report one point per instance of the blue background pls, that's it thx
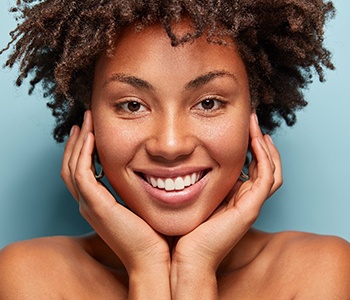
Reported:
(315, 153)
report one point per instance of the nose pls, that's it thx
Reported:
(172, 138)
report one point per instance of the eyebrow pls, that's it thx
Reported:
(143, 84)
(129, 79)
(206, 78)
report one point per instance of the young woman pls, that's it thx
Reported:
(173, 99)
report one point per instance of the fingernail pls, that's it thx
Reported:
(270, 139)
(72, 130)
(256, 119)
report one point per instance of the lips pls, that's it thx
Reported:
(174, 187)
(177, 183)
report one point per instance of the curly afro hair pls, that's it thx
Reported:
(280, 41)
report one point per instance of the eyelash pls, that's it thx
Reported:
(124, 106)
(217, 105)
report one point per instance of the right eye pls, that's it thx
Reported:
(131, 106)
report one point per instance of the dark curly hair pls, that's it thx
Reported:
(280, 41)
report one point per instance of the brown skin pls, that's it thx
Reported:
(288, 265)
(198, 249)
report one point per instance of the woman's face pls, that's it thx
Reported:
(171, 125)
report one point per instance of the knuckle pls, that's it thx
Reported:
(64, 174)
(78, 178)
(273, 166)
(270, 179)
(71, 166)
(278, 182)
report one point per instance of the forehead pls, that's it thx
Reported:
(149, 51)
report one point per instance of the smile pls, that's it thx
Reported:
(174, 184)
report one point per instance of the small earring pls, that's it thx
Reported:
(243, 176)
(100, 175)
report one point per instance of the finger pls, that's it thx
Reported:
(72, 163)
(276, 158)
(255, 131)
(255, 191)
(93, 195)
(263, 170)
(90, 190)
(252, 167)
(97, 204)
(83, 169)
(235, 218)
(86, 127)
(65, 171)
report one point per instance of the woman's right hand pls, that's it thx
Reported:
(140, 248)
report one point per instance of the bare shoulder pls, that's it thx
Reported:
(50, 268)
(27, 268)
(318, 265)
(24, 266)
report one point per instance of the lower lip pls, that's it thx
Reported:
(185, 196)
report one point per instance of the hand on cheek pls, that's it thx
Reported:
(207, 245)
(195, 254)
(120, 228)
(265, 168)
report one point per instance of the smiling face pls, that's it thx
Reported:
(171, 125)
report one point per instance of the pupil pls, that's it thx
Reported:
(134, 106)
(208, 104)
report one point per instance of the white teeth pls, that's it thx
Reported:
(172, 184)
(169, 184)
(193, 178)
(179, 184)
(187, 180)
(160, 183)
(153, 182)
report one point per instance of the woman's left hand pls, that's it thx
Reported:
(199, 253)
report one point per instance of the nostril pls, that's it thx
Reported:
(171, 140)
(170, 151)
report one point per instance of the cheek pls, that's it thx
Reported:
(113, 144)
(228, 142)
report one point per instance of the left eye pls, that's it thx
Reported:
(209, 104)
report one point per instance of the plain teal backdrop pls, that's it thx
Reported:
(315, 153)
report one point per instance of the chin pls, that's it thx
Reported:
(170, 228)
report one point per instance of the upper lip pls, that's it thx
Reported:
(171, 173)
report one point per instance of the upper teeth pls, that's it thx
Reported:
(174, 184)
